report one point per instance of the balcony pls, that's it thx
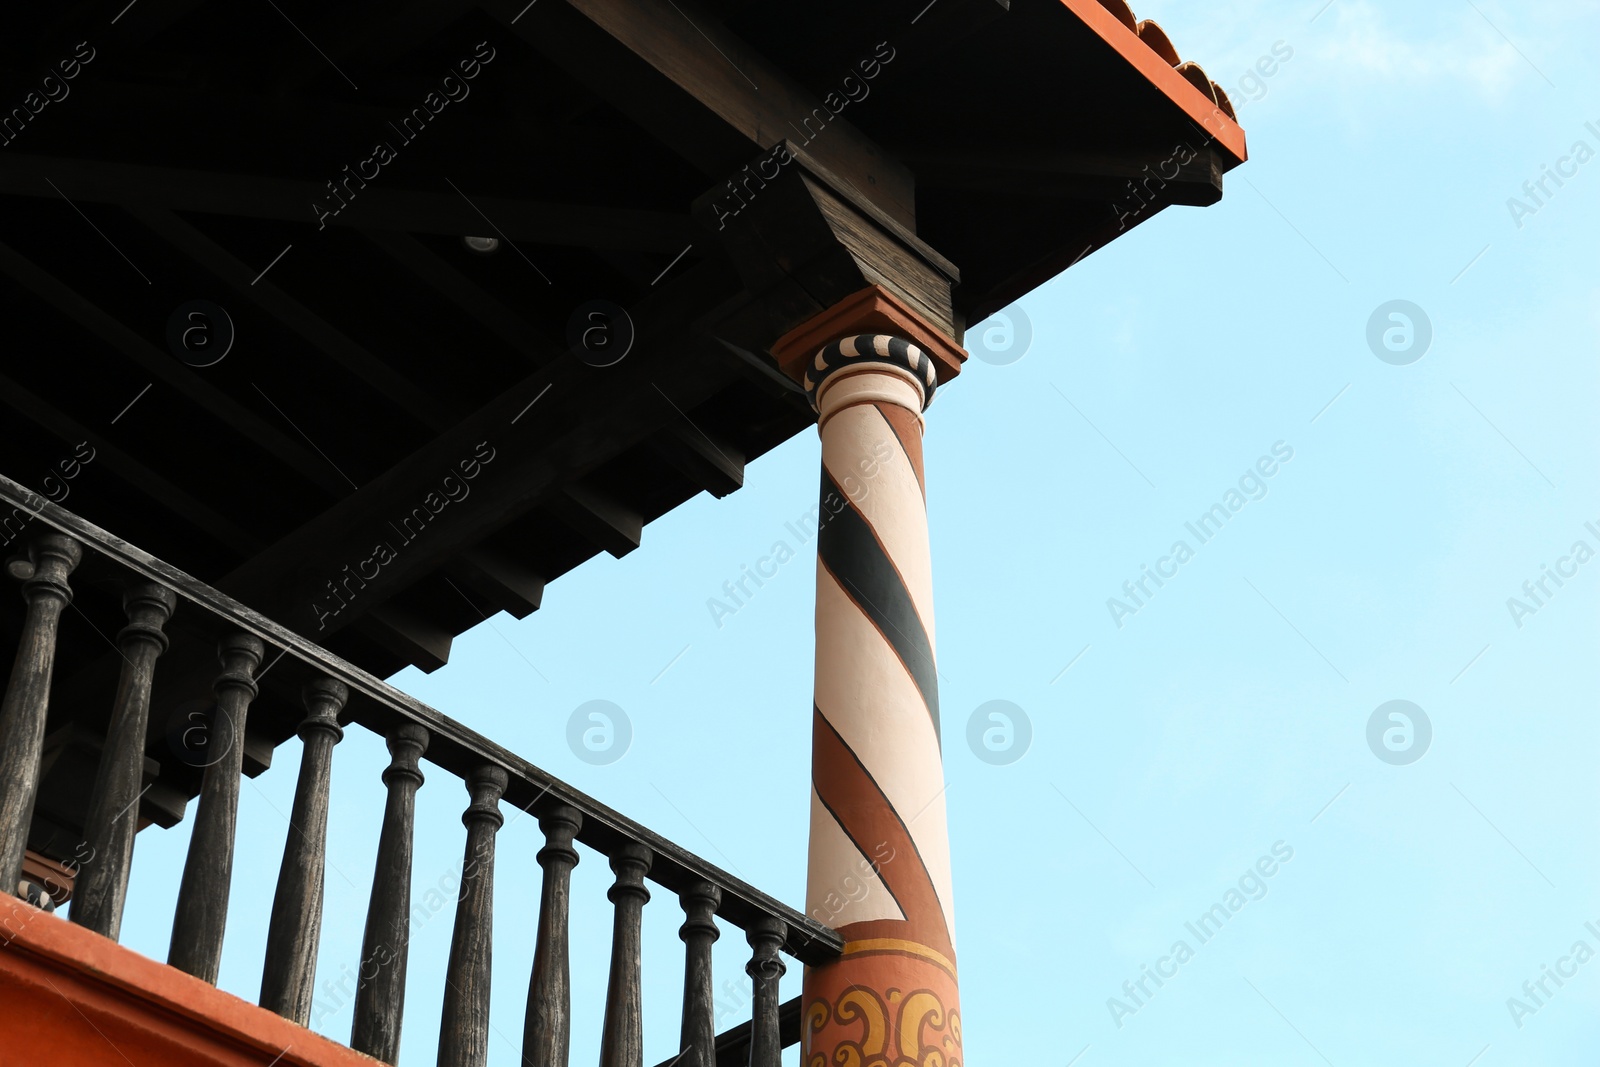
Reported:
(71, 806)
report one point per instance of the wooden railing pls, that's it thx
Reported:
(338, 695)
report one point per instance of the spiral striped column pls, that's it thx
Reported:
(879, 869)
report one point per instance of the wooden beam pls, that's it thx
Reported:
(765, 375)
(979, 305)
(1096, 177)
(170, 497)
(412, 210)
(598, 517)
(430, 409)
(380, 33)
(408, 634)
(893, 228)
(819, 49)
(224, 408)
(513, 329)
(940, 28)
(469, 138)
(805, 228)
(725, 77)
(505, 581)
(715, 464)
(148, 20)
(539, 444)
(574, 45)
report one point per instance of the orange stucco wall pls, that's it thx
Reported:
(69, 997)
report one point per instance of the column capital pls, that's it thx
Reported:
(873, 310)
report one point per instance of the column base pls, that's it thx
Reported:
(885, 1003)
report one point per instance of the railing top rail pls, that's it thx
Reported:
(452, 745)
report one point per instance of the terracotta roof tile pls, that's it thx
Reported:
(1223, 102)
(1155, 38)
(1151, 36)
(1151, 33)
(1197, 78)
(1123, 12)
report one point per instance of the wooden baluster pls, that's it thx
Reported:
(464, 1028)
(113, 816)
(202, 914)
(380, 999)
(698, 1040)
(51, 559)
(547, 1028)
(296, 925)
(622, 1044)
(766, 936)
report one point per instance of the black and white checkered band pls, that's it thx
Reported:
(871, 348)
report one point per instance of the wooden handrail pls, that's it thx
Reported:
(453, 747)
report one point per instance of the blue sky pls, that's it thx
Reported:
(1230, 714)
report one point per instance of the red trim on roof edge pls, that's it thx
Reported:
(1205, 113)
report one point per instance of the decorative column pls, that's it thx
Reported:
(879, 865)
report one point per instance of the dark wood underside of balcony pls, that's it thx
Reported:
(375, 353)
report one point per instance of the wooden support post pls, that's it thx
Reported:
(51, 559)
(622, 1043)
(765, 968)
(547, 1029)
(202, 915)
(296, 925)
(380, 999)
(113, 816)
(698, 1036)
(464, 1027)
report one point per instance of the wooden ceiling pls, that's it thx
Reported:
(199, 149)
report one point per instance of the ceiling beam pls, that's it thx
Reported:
(808, 232)
(430, 409)
(599, 518)
(712, 463)
(714, 71)
(285, 128)
(419, 640)
(224, 408)
(979, 305)
(291, 200)
(516, 331)
(143, 22)
(149, 483)
(505, 581)
(1104, 178)
(537, 443)
(378, 34)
